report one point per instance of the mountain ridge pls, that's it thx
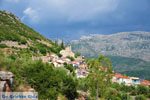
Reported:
(127, 44)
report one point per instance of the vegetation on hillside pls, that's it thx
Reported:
(49, 82)
(12, 29)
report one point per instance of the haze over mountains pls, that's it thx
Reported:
(129, 51)
(127, 44)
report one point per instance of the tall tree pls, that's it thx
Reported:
(62, 44)
(100, 76)
(56, 42)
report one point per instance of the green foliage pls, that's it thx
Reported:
(71, 58)
(59, 55)
(43, 79)
(100, 76)
(62, 45)
(77, 54)
(141, 89)
(140, 97)
(33, 49)
(12, 29)
(83, 84)
(47, 81)
(69, 67)
(13, 56)
(3, 46)
(56, 42)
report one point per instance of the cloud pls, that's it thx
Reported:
(31, 14)
(79, 17)
(73, 10)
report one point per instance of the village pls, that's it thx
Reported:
(82, 69)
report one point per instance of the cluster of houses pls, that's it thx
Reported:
(82, 69)
(129, 80)
(79, 63)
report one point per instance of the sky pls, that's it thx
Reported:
(70, 19)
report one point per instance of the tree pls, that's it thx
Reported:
(62, 44)
(142, 90)
(71, 58)
(140, 97)
(69, 67)
(100, 76)
(77, 54)
(56, 42)
(43, 79)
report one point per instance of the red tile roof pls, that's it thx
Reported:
(145, 82)
(121, 76)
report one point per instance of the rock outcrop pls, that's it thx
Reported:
(6, 81)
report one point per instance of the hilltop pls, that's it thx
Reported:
(22, 40)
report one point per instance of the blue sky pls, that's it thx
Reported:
(73, 18)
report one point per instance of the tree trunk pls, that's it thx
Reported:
(97, 92)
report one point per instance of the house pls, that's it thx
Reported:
(58, 64)
(67, 52)
(53, 57)
(67, 60)
(121, 79)
(81, 73)
(81, 60)
(84, 67)
(145, 82)
(75, 64)
(135, 80)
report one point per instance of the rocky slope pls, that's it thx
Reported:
(126, 44)
(129, 51)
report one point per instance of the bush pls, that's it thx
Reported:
(59, 55)
(140, 97)
(148, 95)
(142, 90)
(71, 58)
(77, 54)
(3, 46)
(43, 51)
(13, 56)
(69, 67)
(134, 92)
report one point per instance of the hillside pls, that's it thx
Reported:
(126, 44)
(22, 39)
(129, 51)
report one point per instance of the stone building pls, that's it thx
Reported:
(67, 52)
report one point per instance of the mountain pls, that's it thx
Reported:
(23, 39)
(126, 44)
(129, 51)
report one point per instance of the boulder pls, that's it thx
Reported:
(6, 81)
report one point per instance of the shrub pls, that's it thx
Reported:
(13, 56)
(43, 51)
(140, 97)
(3, 46)
(134, 92)
(142, 90)
(71, 58)
(59, 55)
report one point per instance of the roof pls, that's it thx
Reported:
(145, 82)
(121, 76)
(135, 78)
